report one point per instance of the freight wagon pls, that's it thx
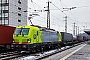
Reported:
(81, 38)
(6, 36)
(67, 38)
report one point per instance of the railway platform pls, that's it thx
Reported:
(80, 54)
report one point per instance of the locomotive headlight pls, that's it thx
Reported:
(13, 41)
(28, 40)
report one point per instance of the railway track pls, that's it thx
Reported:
(39, 56)
(9, 55)
(56, 51)
(36, 56)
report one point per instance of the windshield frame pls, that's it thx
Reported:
(21, 31)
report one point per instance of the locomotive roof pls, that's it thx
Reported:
(43, 28)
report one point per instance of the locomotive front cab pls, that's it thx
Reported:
(21, 35)
(26, 37)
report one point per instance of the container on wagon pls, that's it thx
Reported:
(6, 34)
(66, 36)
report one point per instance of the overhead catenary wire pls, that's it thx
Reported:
(59, 9)
(62, 12)
(44, 19)
(27, 11)
(71, 13)
(35, 3)
(66, 7)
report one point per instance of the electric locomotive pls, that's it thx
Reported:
(35, 38)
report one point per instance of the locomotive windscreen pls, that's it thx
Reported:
(21, 31)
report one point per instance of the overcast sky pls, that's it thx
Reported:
(80, 15)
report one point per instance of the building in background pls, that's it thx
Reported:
(13, 12)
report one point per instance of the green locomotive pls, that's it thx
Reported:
(35, 38)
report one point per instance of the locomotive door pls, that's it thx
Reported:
(35, 36)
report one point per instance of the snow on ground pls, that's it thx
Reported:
(37, 55)
(33, 57)
(28, 58)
